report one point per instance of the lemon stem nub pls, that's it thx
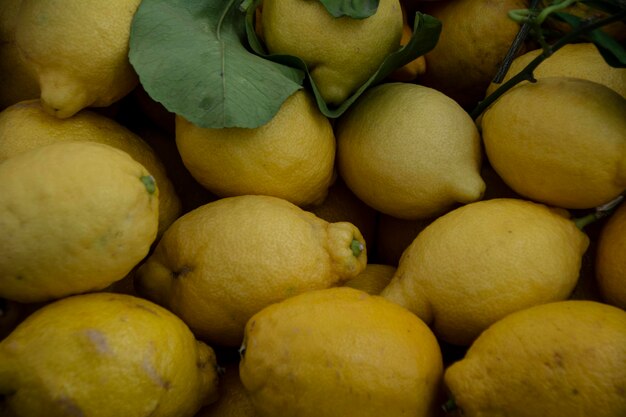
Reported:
(149, 183)
(357, 247)
(600, 212)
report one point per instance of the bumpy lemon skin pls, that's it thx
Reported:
(75, 216)
(559, 359)
(105, 355)
(340, 351)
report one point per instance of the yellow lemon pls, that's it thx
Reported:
(75, 217)
(475, 38)
(559, 141)
(480, 262)
(79, 51)
(340, 352)
(344, 54)
(219, 264)
(233, 400)
(409, 151)
(290, 157)
(610, 262)
(373, 279)
(105, 355)
(576, 60)
(559, 359)
(26, 126)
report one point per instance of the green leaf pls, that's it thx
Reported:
(356, 9)
(426, 31)
(611, 50)
(190, 56)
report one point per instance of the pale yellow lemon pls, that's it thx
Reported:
(576, 60)
(559, 359)
(559, 141)
(105, 355)
(75, 217)
(480, 262)
(79, 51)
(340, 352)
(290, 157)
(409, 151)
(341, 53)
(25, 126)
(219, 264)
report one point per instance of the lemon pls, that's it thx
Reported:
(290, 157)
(559, 141)
(576, 60)
(558, 359)
(105, 355)
(409, 151)
(480, 262)
(219, 264)
(26, 126)
(79, 51)
(233, 399)
(373, 279)
(75, 217)
(340, 352)
(610, 263)
(475, 38)
(342, 56)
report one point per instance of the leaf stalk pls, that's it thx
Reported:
(526, 74)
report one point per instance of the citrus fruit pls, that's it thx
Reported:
(558, 359)
(103, 355)
(292, 27)
(576, 60)
(409, 151)
(560, 141)
(339, 352)
(480, 262)
(219, 264)
(75, 217)
(79, 51)
(290, 157)
(25, 126)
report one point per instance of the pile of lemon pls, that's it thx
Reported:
(402, 259)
